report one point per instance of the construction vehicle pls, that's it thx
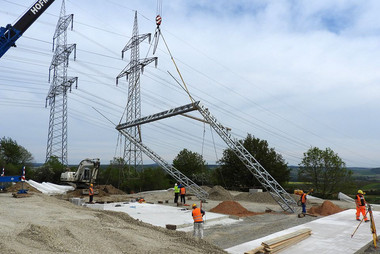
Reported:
(86, 174)
(10, 34)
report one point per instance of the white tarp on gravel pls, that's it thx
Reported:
(160, 215)
(50, 188)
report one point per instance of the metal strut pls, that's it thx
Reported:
(175, 173)
(286, 202)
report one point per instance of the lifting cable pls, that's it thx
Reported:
(179, 73)
(157, 35)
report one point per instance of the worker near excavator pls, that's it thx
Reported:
(198, 221)
(91, 193)
(183, 193)
(361, 206)
(176, 193)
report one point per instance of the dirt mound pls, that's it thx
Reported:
(206, 188)
(100, 191)
(219, 193)
(18, 186)
(110, 189)
(327, 208)
(232, 208)
(258, 197)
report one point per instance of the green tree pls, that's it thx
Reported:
(325, 170)
(191, 164)
(233, 173)
(50, 171)
(14, 156)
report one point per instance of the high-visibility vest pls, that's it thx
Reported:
(197, 215)
(303, 198)
(91, 191)
(360, 201)
(183, 191)
(176, 189)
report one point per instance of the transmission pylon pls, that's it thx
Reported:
(132, 154)
(59, 86)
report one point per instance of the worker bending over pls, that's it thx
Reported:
(360, 206)
(198, 221)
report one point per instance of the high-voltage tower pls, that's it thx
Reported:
(59, 86)
(132, 154)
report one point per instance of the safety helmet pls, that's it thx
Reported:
(194, 205)
(360, 192)
(91, 185)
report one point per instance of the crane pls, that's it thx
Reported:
(10, 34)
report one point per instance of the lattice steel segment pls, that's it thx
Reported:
(175, 173)
(132, 154)
(60, 85)
(283, 198)
(159, 116)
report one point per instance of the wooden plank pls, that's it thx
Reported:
(285, 245)
(256, 250)
(293, 239)
(286, 237)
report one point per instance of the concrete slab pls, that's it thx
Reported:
(330, 234)
(160, 215)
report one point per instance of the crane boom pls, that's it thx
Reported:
(10, 34)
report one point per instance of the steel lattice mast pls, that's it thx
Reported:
(59, 86)
(132, 154)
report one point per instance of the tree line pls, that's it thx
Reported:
(322, 170)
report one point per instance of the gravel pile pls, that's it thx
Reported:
(258, 197)
(219, 193)
(18, 186)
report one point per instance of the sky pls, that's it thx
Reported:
(298, 74)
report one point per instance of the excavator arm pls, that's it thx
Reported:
(10, 34)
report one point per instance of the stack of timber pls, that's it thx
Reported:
(279, 243)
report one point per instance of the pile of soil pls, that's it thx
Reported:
(18, 186)
(258, 197)
(110, 189)
(219, 193)
(232, 208)
(206, 188)
(327, 208)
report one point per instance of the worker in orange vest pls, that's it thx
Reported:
(91, 193)
(183, 193)
(198, 221)
(303, 198)
(360, 206)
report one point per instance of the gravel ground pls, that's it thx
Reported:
(44, 224)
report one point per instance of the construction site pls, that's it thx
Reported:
(54, 219)
(79, 215)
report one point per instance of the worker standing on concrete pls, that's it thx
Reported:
(91, 193)
(198, 221)
(360, 206)
(183, 193)
(176, 193)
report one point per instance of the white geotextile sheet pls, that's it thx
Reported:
(50, 188)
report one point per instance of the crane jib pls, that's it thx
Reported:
(32, 15)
